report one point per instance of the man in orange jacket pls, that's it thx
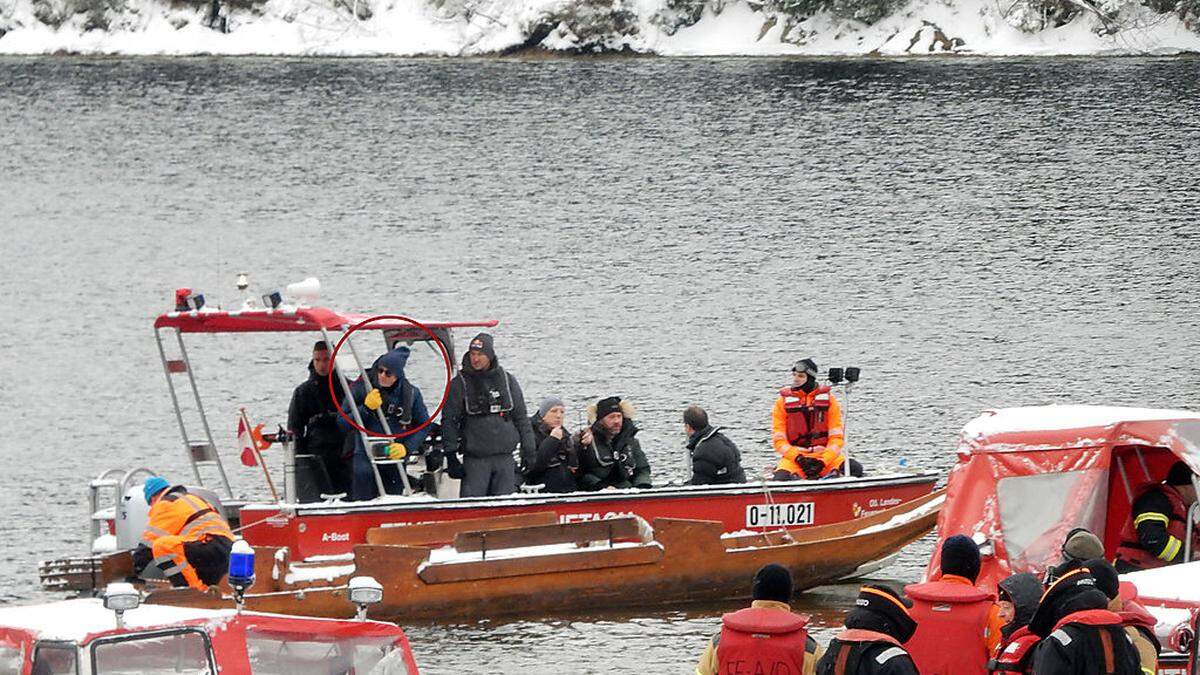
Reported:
(806, 427)
(186, 537)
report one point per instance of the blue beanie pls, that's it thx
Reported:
(153, 486)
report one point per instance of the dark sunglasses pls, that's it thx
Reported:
(384, 371)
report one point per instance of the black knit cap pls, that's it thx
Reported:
(320, 346)
(1107, 579)
(1180, 474)
(1073, 592)
(773, 582)
(960, 557)
(882, 609)
(807, 366)
(607, 406)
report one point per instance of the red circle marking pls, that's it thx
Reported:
(333, 362)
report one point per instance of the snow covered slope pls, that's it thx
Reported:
(668, 27)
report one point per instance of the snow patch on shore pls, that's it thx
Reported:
(416, 27)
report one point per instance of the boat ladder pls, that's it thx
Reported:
(200, 448)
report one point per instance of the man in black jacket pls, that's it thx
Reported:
(872, 643)
(715, 459)
(554, 462)
(609, 455)
(485, 420)
(1080, 636)
(313, 418)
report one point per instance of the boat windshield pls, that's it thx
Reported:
(184, 652)
(279, 653)
(1037, 511)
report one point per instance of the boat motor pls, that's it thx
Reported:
(363, 592)
(241, 570)
(120, 598)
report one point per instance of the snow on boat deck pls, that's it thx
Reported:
(76, 619)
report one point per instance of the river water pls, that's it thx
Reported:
(972, 233)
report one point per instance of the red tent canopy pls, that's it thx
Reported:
(295, 319)
(1026, 476)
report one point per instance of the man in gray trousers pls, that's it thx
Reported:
(485, 420)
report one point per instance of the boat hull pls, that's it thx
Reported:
(667, 561)
(333, 529)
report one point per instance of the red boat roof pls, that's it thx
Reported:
(86, 618)
(1059, 426)
(292, 319)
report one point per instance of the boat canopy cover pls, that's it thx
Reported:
(293, 319)
(1026, 476)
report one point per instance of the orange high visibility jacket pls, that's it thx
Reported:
(186, 516)
(831, 455)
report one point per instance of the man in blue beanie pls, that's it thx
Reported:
(765, 637)
(186, 537)
(386, 392)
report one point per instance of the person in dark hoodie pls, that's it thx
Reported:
(485, 421)
(715, 459)
(1080, 636)
(313, 419)
(555, 461)
(872, 644)
(400, 401)
(1139, 624)
(609, 455)
(1019, 595)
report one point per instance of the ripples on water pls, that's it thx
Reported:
(973, 233)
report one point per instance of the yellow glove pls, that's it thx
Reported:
(397, 451)
(373, 400)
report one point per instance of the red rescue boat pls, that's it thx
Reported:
(1025, 477)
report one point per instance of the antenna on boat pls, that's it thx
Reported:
(846, 379)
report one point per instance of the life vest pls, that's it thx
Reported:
(177, 519)
(1102, 619)
(949, 614)
(1131, 552)
(850, 645)
(762, 640)
(807, 416)
(487, 393)
(1014, 656)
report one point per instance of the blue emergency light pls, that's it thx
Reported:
(241, 565)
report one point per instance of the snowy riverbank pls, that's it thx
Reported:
(666, 27)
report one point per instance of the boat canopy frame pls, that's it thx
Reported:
(201, 449)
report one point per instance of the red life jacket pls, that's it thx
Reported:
(844, 662)
(807, 416)
(1014, 654)
(949, 614)
(762, 641)
(1130, 551)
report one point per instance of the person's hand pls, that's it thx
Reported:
(557, 432)
(373, 400)
(397, 451)
(811, 467)
(454, 467)
(585, 436)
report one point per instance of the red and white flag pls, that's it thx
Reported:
(250, 439)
